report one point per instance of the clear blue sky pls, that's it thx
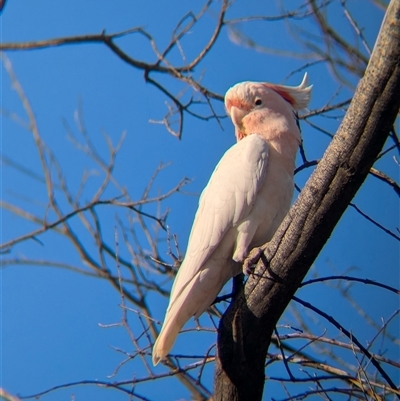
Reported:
(50, 317)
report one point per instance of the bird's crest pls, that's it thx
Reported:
(297, 96)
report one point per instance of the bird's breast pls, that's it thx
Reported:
(272, 204)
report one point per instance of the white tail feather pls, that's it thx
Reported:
(197, 295)
(165, 340)
(187, 304)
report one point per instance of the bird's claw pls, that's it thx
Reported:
(248, 269)
(250, 262)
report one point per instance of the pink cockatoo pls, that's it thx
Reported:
(247, 197)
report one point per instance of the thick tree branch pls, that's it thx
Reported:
(246, 328)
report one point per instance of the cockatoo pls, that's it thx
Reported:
(247, 197)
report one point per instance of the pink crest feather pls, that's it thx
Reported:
(297, 96)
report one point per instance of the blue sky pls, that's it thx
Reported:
(50, 331)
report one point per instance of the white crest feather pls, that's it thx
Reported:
(298, 96)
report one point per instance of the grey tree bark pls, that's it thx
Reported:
(245, 329)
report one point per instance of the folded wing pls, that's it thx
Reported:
(225, 202)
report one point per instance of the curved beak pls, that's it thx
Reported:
(237, 116)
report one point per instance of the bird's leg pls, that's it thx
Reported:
(237, 284)
(196, 320)
(253, 257)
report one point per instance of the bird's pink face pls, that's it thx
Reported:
(246, 104)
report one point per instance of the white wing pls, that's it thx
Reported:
(225, 201)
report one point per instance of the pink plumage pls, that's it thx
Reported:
(245, 200)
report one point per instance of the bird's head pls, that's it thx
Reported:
(251, 103)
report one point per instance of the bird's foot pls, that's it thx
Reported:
(249, 264)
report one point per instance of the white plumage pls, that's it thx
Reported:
(247, 197)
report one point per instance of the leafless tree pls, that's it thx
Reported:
(248, 338)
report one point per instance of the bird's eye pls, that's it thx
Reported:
(258, 102)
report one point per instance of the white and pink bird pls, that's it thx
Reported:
(243, 204)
